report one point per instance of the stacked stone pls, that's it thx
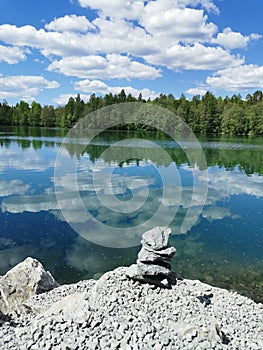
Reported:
(152, 265)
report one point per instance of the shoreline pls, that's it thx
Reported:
(116, 312)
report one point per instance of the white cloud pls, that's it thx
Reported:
(112, 37)
(163, 19)
(98, 67)
(50, 43)
(206, 4)
(120, 36)
(98, 86)
(116, 9)
(24, 87)
(11, 55)
(196, 57)
(133, 9)
(235, 79)
(234, 40)
(156, 39)
(196, 91)
(132, 40)
(255, 36)
(70, 23)
(62, 99)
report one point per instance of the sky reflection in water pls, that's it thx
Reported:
(224, 247)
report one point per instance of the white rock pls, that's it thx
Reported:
(157, 238)
(22, 281)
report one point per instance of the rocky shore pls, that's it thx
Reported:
(128, 309)
(116, 312)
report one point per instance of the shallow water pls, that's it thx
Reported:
(82, 225)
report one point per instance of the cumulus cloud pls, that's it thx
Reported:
(117, 9)
(70, 23)
(234, 40)
(49, 43)
(112, 36)
(133, 9)
(130, 40)
(209, 5)
(11, 54)
(98, 86)
(157, 39)
(234, 79)
(196, 91)
(26, 87)
(97, 67)
(194, 57)
(180, 24)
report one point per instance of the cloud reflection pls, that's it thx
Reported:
(12, 256)
(222, 185)
(8, 188)
(28, 160)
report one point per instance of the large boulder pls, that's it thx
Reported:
(22, 281)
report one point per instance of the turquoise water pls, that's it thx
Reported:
(216, 211)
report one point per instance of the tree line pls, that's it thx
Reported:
(250, 160)
(206, 114)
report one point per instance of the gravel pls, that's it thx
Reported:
(116, 312)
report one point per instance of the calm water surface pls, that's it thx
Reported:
(223, 247)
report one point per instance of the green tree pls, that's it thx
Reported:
(183, 109)
(21, 113)
(5, 113)
(255, 115)
(122, 96)
(78, 110)
(210, 122)
(235, 120)
(35, 114)
(48, 117)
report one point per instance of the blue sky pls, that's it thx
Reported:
(50, 51)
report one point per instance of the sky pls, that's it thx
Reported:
(51, 50)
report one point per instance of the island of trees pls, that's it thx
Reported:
(206, 114)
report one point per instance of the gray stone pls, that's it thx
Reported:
(144, 317)
(146, 255)
(22, 281)
(158, 279)
(157, 238)
(72, 308)
(152, 269)
(152, 265)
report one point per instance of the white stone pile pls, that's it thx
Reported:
(152, 265)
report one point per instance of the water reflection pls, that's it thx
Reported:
(224, 245)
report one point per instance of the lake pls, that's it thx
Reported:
(83, 224)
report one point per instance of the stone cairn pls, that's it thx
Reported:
(152, 264)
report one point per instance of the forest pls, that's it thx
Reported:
(206, 114)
